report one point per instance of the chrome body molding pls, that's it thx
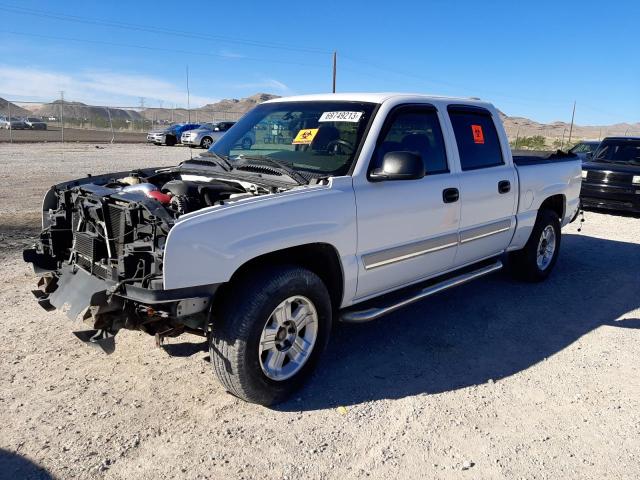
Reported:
(477, 233)
(422, 247)
(411, 250)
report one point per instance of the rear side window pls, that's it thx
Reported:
(414, 129)
(477, 138)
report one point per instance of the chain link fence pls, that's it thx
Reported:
(62, 121)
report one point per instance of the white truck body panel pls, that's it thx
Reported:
(387, 234)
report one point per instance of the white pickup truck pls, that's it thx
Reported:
(367, 202)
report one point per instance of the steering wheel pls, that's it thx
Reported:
(335, 146)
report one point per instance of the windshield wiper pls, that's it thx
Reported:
(293, 173)
(218, 160)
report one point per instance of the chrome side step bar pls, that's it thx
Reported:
(360, 316)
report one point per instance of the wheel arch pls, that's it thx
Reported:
(555, 203)
(320, 258)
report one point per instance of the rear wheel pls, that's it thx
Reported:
(273, 328)
(536, 260)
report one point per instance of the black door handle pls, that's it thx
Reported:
(450, 195)
(504, 186)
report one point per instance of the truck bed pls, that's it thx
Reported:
(537, 157)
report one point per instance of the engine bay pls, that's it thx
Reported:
(115, 226)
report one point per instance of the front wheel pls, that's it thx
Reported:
(538, 257)
(272, 329)
(206, 142)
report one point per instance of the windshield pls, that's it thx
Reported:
(317, 137)
(619, 151)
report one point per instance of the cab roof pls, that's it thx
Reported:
(377, 98)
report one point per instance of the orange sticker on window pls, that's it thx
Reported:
(478, 136)
(305, 137)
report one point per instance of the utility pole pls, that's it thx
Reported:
(10, 126)
(188, 98)
(335, 61)
(571, 127)
(62, 113)
(142, 112)
(113, 135)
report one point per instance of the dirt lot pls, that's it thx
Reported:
(496, 379)
(71, 135)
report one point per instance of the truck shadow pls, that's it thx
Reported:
(489, 329)
(14, 465)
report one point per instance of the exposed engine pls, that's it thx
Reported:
(115, 227)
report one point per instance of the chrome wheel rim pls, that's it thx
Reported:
(206, 143)
(288, 338)
(546, 247)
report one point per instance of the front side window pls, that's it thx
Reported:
(476, 137)
(416, 130)
(315, 137)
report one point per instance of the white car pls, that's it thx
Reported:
(210, 133)
(365, 204)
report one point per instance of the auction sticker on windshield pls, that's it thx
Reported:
(340, 117)
(305, 136)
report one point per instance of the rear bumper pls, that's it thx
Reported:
(611, 197)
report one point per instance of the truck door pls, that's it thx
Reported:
(407, 229)
(488, 185)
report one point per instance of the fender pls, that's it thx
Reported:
(207, 247)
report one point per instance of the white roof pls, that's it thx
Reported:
(372, 97)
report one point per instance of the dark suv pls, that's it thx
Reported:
(611, 179)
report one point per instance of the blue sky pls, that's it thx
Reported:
(529, 58)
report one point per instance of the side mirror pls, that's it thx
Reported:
(589, 156)
(399, 166)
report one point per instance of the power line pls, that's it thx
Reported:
(158, 49)
(160, 30)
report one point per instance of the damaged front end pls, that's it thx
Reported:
(100, 253)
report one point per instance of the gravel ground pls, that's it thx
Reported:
(496, 379)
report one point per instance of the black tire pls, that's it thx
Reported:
(246, 144)
(236, 333)
(204, 141)
(524, 262)
(170, 141)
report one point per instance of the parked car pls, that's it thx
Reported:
(12, 123)
(206, 134)
(170, 135)
(378, 201)
(611, 180)
(585, 149)
(35, 123)
(209, 133)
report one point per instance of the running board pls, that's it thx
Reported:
(366, 315)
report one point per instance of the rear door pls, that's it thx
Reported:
(488, 185)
